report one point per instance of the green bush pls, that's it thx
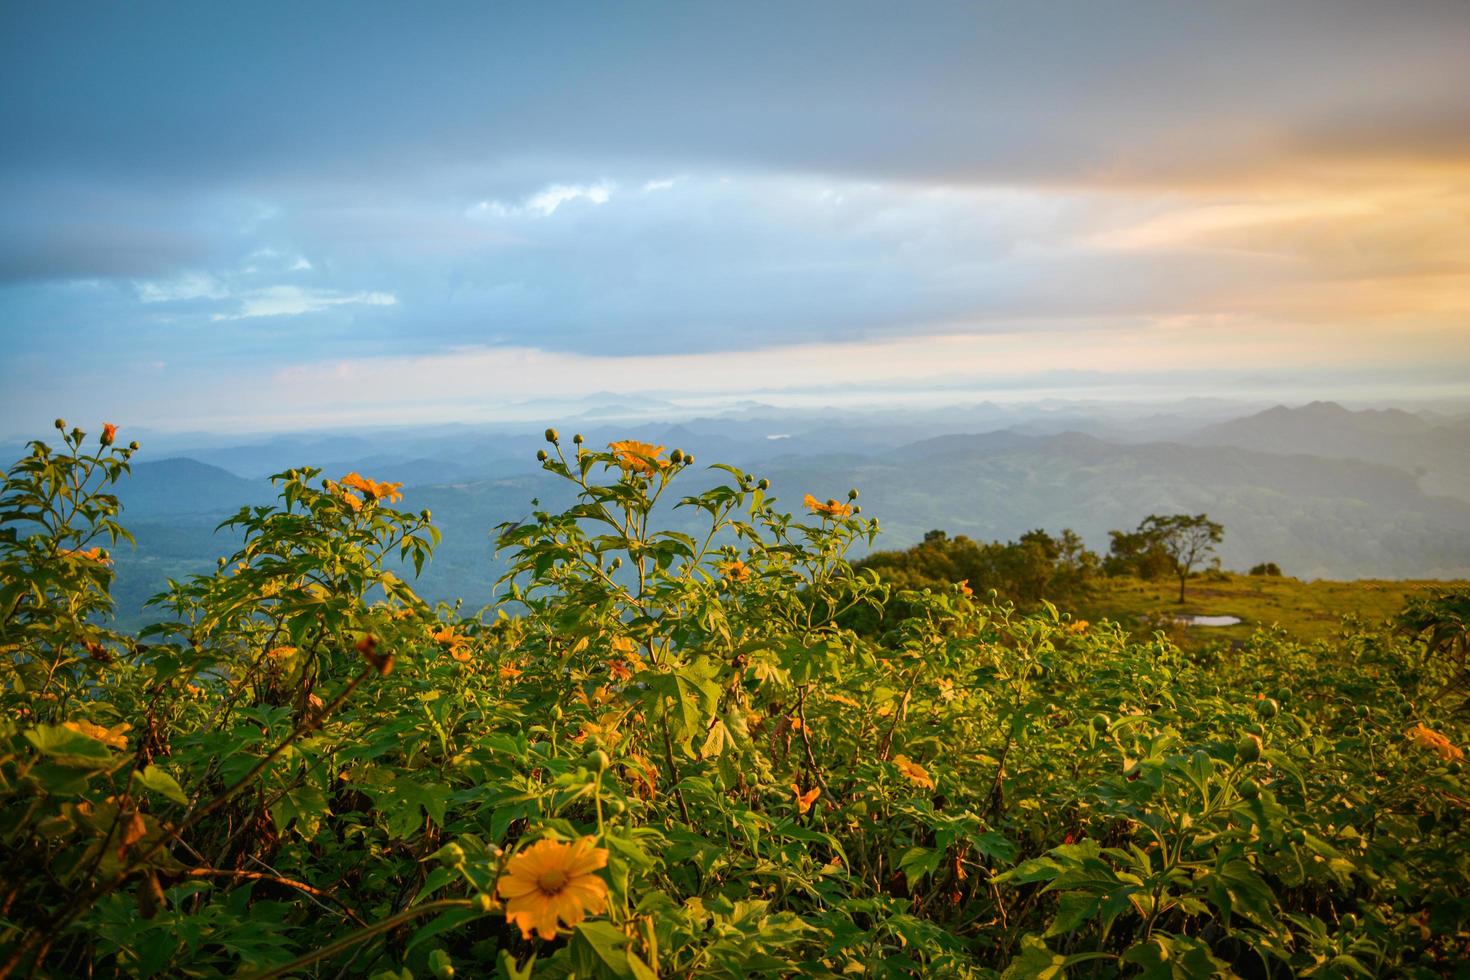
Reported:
(664, 755)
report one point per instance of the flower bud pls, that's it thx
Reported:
(1100, 722)
(599, 760)
(541, 456)
(688, 459)
(676, 457)
(763, 484)
(61, 425)
(426, 515)
(1248, 749)
(852, 494)
(486, 903)
(109, 434)
(452, 854)
(577, 438)
(551, 436)
(134, 446)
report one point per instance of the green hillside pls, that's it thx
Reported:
(1305, 611)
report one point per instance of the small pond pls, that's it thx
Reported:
(1207, 620)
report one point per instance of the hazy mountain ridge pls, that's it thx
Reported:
(1317, 515)
(1437, 451)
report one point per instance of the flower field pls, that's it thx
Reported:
(663, 756)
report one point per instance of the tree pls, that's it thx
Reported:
(1186, 539)
(1137, 554)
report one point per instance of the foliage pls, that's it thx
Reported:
(1442, 620)
(1266, 568)
(1036, 569)
(669, 752)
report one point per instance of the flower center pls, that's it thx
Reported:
(552, 882)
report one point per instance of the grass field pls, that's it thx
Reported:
(1307, 610)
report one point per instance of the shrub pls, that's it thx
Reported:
(664, 755)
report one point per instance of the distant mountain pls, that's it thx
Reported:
(171, 488)
(1436, 452)
(1316, 517)
(1321, 490)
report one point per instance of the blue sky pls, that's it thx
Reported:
(279, 215)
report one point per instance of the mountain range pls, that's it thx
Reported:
(1323, 491)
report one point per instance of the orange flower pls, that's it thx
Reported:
(735, 571)
(510, 672)
(1427, 738)
(109, 433)
(551, 884)
(965, 589)
(447, 637)
(619, 670)
(1080, 626)
(352, 500)
(831, 508)
(91, 554)
(113, 736)
(916, 773)
(625, 645)
(386, 492)
(805, 800)
(280, 653)
(638, 457)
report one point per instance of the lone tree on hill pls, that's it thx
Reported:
(1185, 539)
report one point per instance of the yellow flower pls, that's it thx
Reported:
(107, 736)
(916, 773)
(386, 492)
(551, 883)
(1428, 738)
(831, 508)
(735, 571)
(624, 645)
(638, 457)
(447, 637)
(805, 800)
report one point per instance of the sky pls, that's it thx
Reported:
(283, 216)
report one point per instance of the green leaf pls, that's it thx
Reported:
(600, 950)
(1072, 913)
(163, 784)
(68, 747)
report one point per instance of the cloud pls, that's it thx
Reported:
(190, 286)
(1044, 171)
(545, 202)
(296, 301)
